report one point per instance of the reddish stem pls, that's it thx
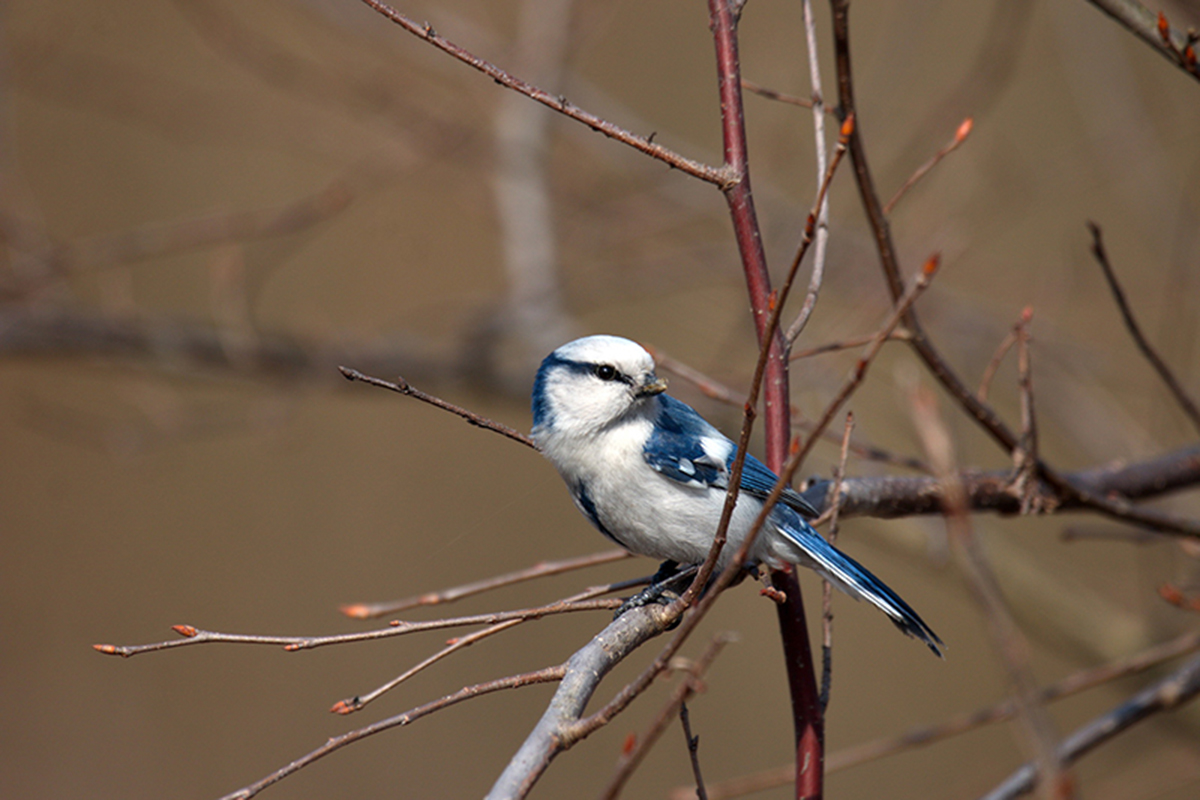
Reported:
(806, 710)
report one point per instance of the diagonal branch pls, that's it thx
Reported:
(1154, 31)
(1181, 396)
(721, 177)
(1165, 695)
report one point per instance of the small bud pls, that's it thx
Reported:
(107, 649)
(848, 127)
(1026, 315)
(964, 130)
(1164, 30)
(629, 743)
(931, 266)
(184, 630)
(1171, 594)
(355, 611)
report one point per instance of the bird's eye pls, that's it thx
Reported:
(605, 372)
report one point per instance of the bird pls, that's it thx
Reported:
(651, 474)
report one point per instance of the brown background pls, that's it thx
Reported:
(143, 492)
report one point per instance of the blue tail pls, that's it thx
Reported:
(857, 581)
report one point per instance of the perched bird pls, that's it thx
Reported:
(651, 473)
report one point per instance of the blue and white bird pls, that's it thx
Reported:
(651, 473)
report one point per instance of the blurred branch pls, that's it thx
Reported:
(1155, 31)
(925, 735)
(50, 260)
(1181, 396)
(1170, 693)
(1010, 644)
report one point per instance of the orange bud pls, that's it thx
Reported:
(1171, 594)
(355, 611)
(1189, 57)
(629, 743)
(772, 299)
(342, 707)
(107, 649)
(848, 127)
(1164, 30)
(1027, 314)
(964, 130)
(931, 266)
(184, 630)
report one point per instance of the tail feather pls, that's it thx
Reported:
(857, 581)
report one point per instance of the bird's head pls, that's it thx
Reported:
(590, 383)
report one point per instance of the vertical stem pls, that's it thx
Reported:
(806, 709)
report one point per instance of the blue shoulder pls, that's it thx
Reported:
(685, 447)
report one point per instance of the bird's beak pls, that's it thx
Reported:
(653, 386)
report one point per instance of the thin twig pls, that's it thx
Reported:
(693, 746)
(1181, 396)
(864, 362)
(720, 177)
(960, 136)
(925, 735)
(547, 675)
(993, 365)
(690, 682)
(539, 570)
(193, 635)
(833, 347)
(716, 390)
(1025, 456)
(826, 587)
(818, 114)
(403, 387)
(358, 702)
(782, 97)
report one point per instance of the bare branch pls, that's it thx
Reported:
(1181, 396)
(960, 136)
(403, 387)
(193, 635)
(1170, 693)
(925, 735)
(718, 176)
(547, 675)
(691, 681)
(539, 570)
(1154, 31)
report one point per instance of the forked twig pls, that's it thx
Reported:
(194, 636)
(547, 675)
(690, 682)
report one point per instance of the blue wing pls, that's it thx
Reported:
(686, 448)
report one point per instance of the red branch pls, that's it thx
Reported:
(806, 710)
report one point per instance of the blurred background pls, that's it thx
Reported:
(208, 205)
